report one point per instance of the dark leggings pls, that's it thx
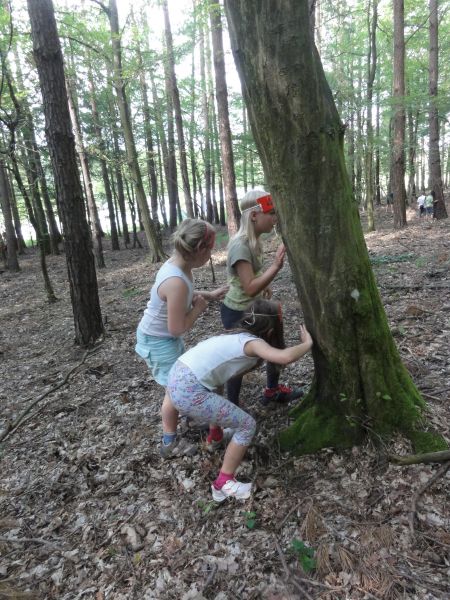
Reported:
(229, 319)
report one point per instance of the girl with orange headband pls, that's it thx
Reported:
(172, 310)
(249, 281)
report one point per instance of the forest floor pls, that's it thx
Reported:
(88, 509)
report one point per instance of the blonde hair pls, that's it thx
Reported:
(192, 236)
(247, 228)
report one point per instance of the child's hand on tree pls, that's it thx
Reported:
(279, 256)
(305, 336)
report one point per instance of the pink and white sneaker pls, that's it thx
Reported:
(232, 489)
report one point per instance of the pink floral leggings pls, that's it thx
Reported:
(192, 399)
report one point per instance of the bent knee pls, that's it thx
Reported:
(246, 432)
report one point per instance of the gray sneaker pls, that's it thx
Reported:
(179, 447)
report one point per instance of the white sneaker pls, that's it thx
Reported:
(232, 489)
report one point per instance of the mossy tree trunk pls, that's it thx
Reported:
(360, 383)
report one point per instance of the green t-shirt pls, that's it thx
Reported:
(239, 249)
(428, 201)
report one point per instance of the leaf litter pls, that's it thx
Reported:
(88, 509)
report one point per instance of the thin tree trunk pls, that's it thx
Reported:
(34, 158)
(155, 247)
(371, 71)
(226, 147)
(398, 165)
(434, 159)
(175, 94)
(12, 262)
(206, 113)
(86, 172)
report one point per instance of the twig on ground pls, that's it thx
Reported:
(12, 427)
(290, 579)
(414, 459)
(211, 577)
(39, 541)
(439, 473)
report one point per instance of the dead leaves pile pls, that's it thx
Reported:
(88, 509)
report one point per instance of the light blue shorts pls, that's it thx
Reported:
(159, 353)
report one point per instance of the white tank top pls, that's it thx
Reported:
(215, 360)
(154, 321)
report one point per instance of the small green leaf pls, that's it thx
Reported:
(386, 397)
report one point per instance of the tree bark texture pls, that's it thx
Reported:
(360, 382)
(398, 154)
(172, 81)
(226, 147)
(86, 172)
(10, 239)
(434, 160)
(78, 246)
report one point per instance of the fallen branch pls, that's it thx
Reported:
(413, 459)
(11, 427)
(39, 541)
(412, 513)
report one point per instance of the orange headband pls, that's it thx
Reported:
(266, 203)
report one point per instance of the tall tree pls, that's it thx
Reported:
(10, 235)
(398, 153)
(174, 92)
(226, 146)
(80, 261)
(372, 20)
(434, 160)
(155, 247)
(86, 172)
(359, 377)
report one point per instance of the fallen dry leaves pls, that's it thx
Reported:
(88, 509)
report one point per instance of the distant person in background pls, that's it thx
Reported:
(428, 204)
(420, 204)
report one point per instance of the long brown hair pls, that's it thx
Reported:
(263, 319)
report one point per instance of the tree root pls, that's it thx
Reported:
(412, 513)
(413, 459)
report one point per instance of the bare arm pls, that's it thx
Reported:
(175, 292)
(217, 294)
(253, 285)
(262, 349)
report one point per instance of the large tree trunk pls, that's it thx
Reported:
(398, 152)
(360, 381)
(10, 235)
(434, 160)
(226, 147)
(78, 245)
